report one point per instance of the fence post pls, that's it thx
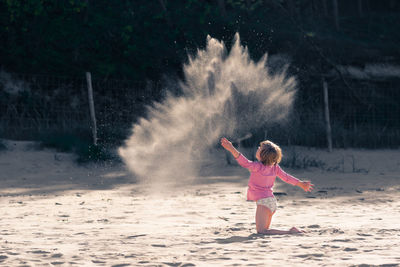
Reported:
(327, 119)
(91, 106)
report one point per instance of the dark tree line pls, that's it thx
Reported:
(143, 40)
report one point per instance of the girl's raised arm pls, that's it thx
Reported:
(229, 147)
(242, 160)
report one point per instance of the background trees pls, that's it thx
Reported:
(142, 40)
(353, 45)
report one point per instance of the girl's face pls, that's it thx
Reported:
(258, 154)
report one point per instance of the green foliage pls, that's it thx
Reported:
(95, 153)
(2, 145)
(144, 39)
(81, 145)
(63, 142)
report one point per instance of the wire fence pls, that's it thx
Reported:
(32, 105)
(363, 113)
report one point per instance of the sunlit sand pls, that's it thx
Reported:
(54, 212)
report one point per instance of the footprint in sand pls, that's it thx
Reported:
(330, 231)
(317, 255)
(158, 245)
(173, 263)
(57, 262)
(236, 229)
(350, 249)
(341, 240)
(362, 234)
(98, 262)
(233, 239)
(224, 258)
(134, 236)
(39, 252)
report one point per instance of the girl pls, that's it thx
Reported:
(262, 177)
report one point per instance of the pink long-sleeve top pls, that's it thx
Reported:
(262, 178)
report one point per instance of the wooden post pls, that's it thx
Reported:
(336, 14)
(325, 8)
(327, 119)
(360, 8)
(91, 107)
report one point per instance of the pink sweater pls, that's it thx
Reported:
(262, 178)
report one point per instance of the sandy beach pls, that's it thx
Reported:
(55, 212)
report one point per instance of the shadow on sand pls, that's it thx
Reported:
(99, 178)
(238, 239)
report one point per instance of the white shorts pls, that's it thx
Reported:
(269, 202)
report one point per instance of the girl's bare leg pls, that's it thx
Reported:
(263, 218)
(263, 221)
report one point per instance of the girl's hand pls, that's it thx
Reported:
(306, 186)
(226, 144)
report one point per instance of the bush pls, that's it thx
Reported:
(2, 145)
(79, 144)
(95, 153)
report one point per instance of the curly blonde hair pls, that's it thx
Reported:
(270, 153)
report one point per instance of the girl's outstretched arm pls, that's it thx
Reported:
(306, 186)
(229, 147)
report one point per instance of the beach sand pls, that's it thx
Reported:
(55, 212)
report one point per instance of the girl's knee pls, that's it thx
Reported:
(261, 230)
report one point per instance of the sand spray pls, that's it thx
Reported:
(223, 94)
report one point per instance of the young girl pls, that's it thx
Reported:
(262, 177)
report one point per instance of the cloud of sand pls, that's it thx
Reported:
(223, 94)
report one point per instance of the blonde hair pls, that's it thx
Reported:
(270, 153)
